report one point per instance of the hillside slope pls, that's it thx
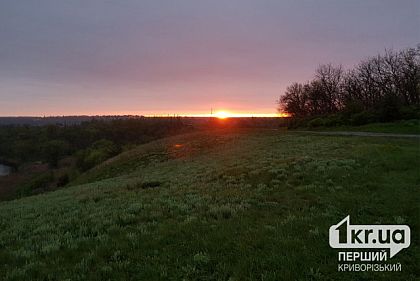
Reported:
(216, 205)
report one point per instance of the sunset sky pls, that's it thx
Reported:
(183, 56)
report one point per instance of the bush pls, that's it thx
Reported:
(40, 182)
(63, 180)
(96, 154)
(363, 118)
(317, 122)
(352, 107)
(334, 120)
(410, 112)
(389, 109)
(54, 150)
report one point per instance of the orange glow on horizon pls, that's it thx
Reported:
(222, 114)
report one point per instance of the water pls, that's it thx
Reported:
(5, 170)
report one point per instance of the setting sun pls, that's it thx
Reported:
(222, 114)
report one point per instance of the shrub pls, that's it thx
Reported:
(389, 108)
(363, 117)
(96, 154)
(334, 120)
(54, 150)
(410, 112)
(40, 182)
(317, 122)
(63, 180)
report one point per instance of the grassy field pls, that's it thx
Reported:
(217, 205)
(397, 127)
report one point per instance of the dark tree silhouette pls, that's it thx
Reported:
(383, 84)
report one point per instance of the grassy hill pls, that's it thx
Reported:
(397, 127)
(217, 205)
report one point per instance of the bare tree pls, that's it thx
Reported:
(387, 81)
(294, 100)
(408, 77)
(329, 78)
(352, 96)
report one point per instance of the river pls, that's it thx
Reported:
(5, 170)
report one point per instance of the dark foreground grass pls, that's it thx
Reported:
(249, 205)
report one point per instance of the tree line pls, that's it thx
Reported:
(385, 87)
(70, 150)
(91, 142)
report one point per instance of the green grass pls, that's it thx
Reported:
(219, 205)
(398, 127)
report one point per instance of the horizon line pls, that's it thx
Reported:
(215, 115)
